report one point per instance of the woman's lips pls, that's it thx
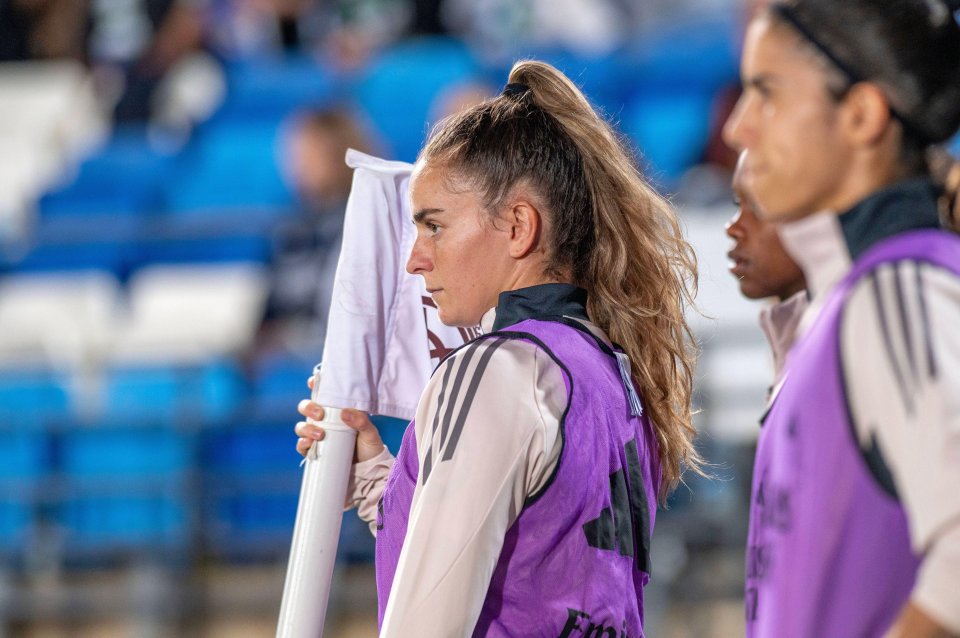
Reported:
(737, 265)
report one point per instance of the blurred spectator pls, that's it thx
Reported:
(132, 44)
(306, 248)
(496, 27)
(40, 29)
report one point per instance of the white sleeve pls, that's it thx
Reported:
(367, 482)
(901, 360)
(936, 588)
(487, 438)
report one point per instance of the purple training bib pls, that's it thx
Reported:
(576, 560)
(828, 552)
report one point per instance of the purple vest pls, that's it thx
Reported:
(576, 560)
(828, 552)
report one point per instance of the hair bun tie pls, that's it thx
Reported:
(515, 89)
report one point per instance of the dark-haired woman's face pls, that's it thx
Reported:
(758, 260)
(798, 161)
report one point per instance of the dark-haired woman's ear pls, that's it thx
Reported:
(866, 113)
(526, 226)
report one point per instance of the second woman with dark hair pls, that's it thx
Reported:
(524, 494)
(855, 515)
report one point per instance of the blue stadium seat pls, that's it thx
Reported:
(111, 255)
(690, 57)
(108, 524)
(251, 492)
(16, 522)
(401, 85)
(391, 430)
(25, 459)
(173, 394)
(121, 178)
(234, 245)
(670, 131)
(278, 383)
(229, 167)
(125, 452)
(251, 488)
(32, 398)
(269, 89)
(675, 75)
(24, 454)
(126, 488)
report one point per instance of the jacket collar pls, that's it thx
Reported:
(536, 302)
(826, 244)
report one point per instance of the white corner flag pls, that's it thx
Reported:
(384, 338)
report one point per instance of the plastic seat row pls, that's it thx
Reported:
(660, 93)
(102, 492)
(168, 313)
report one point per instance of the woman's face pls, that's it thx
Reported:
(798, 161)
(758, 260)
(462, 256)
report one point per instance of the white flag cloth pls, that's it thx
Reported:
(384, 337)
(383, 340)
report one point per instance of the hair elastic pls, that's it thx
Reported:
(787, 13)
(515, 89)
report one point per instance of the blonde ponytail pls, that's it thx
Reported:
(617, 237)
(642, 272)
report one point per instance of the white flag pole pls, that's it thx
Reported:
(383, 341)
(316, 533)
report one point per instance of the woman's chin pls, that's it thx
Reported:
(455, 320)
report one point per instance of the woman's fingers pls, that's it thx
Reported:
(303, 446)
(310, 410)
(307, 430)
(369, 443)
(307, 433)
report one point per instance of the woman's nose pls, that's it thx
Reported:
(733, 227)
(418, 262)
(737, 126)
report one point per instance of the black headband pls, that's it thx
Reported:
(515, 89)
(788, 14)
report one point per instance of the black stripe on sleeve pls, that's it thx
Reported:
(451, 446)
(925, 317)
(455, 391)
(428, 461)
(873, 456)
(904, 321)
(888, 344)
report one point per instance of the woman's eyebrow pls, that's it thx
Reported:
(423, 212)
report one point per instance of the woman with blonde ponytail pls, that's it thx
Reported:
(523, 497)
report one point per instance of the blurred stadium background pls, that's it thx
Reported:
(170, 202)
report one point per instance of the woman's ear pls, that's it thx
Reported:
(866, 113)
(526, 226)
